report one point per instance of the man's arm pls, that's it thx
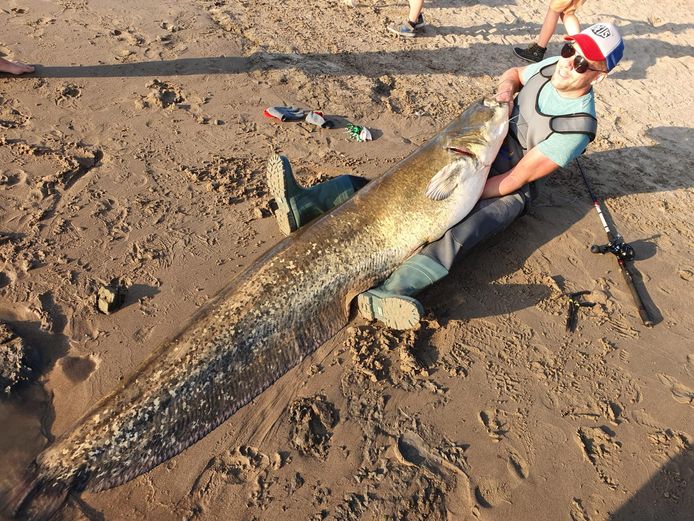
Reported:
(533, 166)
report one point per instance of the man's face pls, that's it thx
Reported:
(566, 79)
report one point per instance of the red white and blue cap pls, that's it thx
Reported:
(600, 42)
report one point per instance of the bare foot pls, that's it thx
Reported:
(14, 67)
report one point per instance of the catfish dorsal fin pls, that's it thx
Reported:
(444, 181)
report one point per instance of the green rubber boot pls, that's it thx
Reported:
(392, 303)
(297, 205)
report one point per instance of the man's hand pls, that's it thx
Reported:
(509, 84)
(506, 97)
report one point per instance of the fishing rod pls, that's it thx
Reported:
(622, 250)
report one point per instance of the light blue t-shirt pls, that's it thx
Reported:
(560, 148)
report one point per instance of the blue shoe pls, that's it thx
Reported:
(407, 28)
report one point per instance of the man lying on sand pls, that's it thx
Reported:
(552, 120)
(15, 67)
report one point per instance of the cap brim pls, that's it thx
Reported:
(588, 46)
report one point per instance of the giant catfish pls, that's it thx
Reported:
(289, 302)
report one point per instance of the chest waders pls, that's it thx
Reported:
(528, 127)
(297, 205)
(392, 302)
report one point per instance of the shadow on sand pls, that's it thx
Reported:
(564, 201)
(668, 495)
(494, 58)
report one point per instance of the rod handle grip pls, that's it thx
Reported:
(629, 278)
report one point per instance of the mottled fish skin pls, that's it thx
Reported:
(281, 309)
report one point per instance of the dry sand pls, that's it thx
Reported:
(137, 150)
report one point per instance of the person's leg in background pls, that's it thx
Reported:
(558, 9)
(570, 20)
(414, 24)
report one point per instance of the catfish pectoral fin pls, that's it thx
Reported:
(444, 181)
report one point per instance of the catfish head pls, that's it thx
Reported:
(471, 145)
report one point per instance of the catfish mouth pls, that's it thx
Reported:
(461, 151)
(493, 102)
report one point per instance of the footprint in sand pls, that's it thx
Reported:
(13, 177)
(7, 278)
(690, 363)
(496, 424)
(491, 492)
(312, 420)
(10, 117)
(67, 93)
(578, 511)
(601, 448)
(162, 95)
(517, 465)
(245, 466)
(412, 450)
(681, 393)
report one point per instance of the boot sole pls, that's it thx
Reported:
(394, 311)
(277, 172)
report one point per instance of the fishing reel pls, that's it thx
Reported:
(618, 247)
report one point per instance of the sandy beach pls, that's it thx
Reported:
(137, 151)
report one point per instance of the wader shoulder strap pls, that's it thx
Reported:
(579, 123)
(575, 123)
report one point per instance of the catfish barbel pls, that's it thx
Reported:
(286, 304)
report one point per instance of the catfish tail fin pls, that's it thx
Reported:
(35, 497)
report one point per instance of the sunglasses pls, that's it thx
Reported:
(581, 65)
